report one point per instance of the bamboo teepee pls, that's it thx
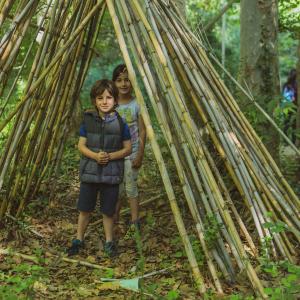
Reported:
(205, 130)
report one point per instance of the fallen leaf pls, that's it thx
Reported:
(39, 286)
(109, 286)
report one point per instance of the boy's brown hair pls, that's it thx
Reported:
(100, 86)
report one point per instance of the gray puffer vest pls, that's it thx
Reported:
(106, 136)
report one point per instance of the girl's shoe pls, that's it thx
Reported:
(134, 227)
(110, 249)
(76, 246)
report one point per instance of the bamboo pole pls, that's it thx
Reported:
(150, 133)
(133, 40)
(140, 12)
(53, 62)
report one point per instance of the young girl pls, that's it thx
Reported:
(129, 109)
(104, 142)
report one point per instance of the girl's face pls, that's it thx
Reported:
(123, 84)
(105, 103)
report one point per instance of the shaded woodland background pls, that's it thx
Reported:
(222, 34)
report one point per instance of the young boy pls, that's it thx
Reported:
(129, 109)
(104, 142)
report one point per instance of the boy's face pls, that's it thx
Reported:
(105, 102)
(123, 83)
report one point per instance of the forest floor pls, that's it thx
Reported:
(49, 225)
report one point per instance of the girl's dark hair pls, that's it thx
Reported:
(100, 86)
(291, 80)
(118, 70)
(292, 76)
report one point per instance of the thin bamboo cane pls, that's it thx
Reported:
(140, 12)
(149, 46)
(5, 7)
(13, 46)
(214, 71)
(17, 20)
(183, 178)
(53, 62)
(24, 62)
(155, 147)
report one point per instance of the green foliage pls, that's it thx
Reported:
(139, 246)
(275, 227)
(289, 12)
(107, 57)
(200, 13)
(286, 276)
(109, 273)
(19, 281)
(240, 297)
(211, 230)
(172, 295)
(287, 286)
(287, 49)
(197, 250)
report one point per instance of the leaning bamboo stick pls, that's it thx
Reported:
(183, 178)
(53, 62)
(150, 133)
(161, 80)
(5, 7)
(24, 62)
(207, 186)
(136, 42)
(140, 12)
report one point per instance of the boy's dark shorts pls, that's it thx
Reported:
(109, 194)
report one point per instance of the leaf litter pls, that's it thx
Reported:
(161, 247)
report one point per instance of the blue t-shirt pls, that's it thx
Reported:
(125, 134)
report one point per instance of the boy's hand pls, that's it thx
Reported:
(102, 158)
(137, 162)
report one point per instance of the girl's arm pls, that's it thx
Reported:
(125, 151)
(137, 162)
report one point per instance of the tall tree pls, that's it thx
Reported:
(259, 66)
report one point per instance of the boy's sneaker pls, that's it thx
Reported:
(76, 246)
(110, 249)
(134, 227)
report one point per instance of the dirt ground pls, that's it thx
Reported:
(49, 225)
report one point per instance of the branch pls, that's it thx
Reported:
(209, 26)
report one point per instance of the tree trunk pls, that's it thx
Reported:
(298, 97)
(259, 66)
(298, 110)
